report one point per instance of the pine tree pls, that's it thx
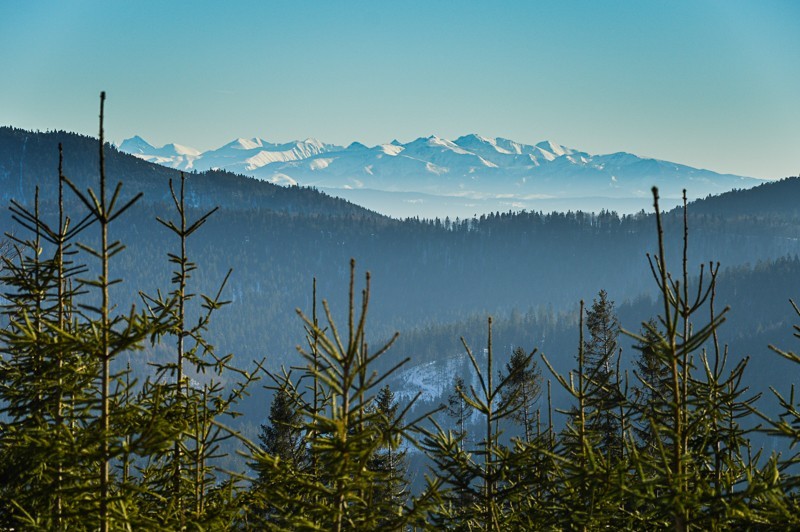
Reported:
(282, 436)
(653, 391)
(524, 389)
(583, 479)
(458, 408)
(44, 384)
(603, 395)
(701, 475)
(389, 459)
(480, 489)
(187, 476)
(342, 438)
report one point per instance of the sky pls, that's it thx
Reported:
(711, 84)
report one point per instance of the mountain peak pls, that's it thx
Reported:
(311, 141)
(556, 149)
(475, 137)
(245, 144)
(179, 149)
(136, 144)
(356, 146)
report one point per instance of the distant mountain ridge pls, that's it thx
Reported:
(30, 159)
(470, 166)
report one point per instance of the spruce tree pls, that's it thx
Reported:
(652, 392)
(82, 445)
(5, 249)
(65, 325)
(603, 395)
(187, 476)
(701, 475)
(390, 458)
(524, 389)
(45, 385)
(783, 500)
(480, 489)
(584, 483)
(342, 438)
(458, 408)
(282, 436)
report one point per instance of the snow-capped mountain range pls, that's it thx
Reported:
(471, 166)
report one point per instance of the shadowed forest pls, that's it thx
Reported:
(145, 385)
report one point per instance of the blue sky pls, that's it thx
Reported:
(709, 84)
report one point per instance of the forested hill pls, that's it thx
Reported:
(771, 199)
(28, 159)
(759, 315)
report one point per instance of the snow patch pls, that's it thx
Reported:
(319, 164)
(434, 169)
(391, 149)
(282, 179)
(246, 144)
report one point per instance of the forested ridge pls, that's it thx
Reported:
(564, 431)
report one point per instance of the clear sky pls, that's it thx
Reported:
(712, 84)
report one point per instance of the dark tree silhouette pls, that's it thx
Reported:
(524, 389)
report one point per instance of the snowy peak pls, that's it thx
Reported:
(136, 145)
(556, 149)
(244, 144)
(477, 142)
(172, 155)
(241, 155)
(312, 143)
(433, 142)
(436, 144)
(391, 149)
(471, 166)
(507, 153)
(177, 149)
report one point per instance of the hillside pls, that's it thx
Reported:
(769, 200)
(760, 314)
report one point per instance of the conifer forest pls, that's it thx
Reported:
(148, 379)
